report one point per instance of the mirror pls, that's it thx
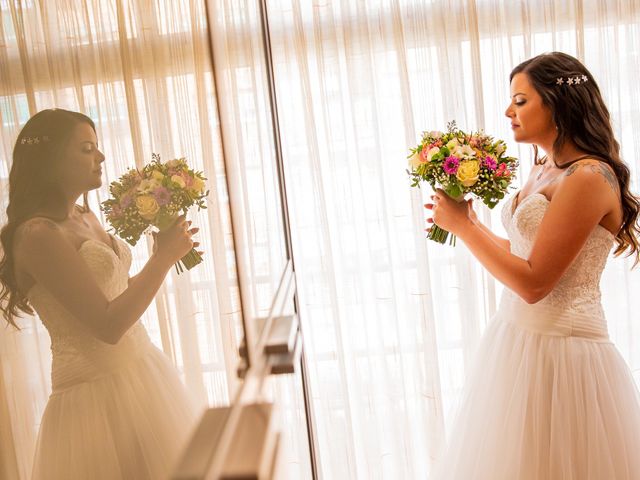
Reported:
(274, 370)
(251, 159)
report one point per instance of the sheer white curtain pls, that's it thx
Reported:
(141, 69)
(390, 321)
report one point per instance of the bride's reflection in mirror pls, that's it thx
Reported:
(118, 408)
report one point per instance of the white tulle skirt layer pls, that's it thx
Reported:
(130, 423)
(544, 406)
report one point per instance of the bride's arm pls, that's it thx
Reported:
(155, 248)
(52, 261)
(579, 204)
(501, 242)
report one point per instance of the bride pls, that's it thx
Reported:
(550, 397)
(118, 409)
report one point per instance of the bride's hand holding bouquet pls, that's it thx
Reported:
(455, 163)
(450, 214)
(156, 196)
(175, 242)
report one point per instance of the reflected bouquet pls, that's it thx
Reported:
(462, 163)
(154, 197)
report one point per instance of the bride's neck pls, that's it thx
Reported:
(568, 152)
(61, 210)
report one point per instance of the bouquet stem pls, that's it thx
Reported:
(189, 261)
(440, 235)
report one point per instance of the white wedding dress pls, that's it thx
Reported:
(116, 411)
(549, 397)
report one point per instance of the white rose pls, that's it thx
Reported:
(468, 152)
(463, 151)
(432, 152)
(179, 180)
(456, 151)
(436, 134)
(414, 160)
(149, 185)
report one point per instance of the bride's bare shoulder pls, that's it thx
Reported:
(35, 233)
(36, 226)
(593, 170)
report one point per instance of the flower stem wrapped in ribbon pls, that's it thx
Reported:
(154, 197)
(462, 163)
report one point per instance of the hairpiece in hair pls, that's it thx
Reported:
(34, 140)
(570, 81)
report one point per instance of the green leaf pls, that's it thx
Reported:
(454, 190)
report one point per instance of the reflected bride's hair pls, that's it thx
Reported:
(33, 184)
(581, 116)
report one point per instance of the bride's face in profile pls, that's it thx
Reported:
(81, 167)
(531, 120)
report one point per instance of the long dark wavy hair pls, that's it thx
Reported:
(33, 184)
(581, 116)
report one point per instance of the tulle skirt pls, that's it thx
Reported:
(549, 398)
(128, 421)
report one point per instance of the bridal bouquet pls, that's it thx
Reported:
(154, 197)
(462, 163)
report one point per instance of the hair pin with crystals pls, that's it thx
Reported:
(34, 140)
(577, 80)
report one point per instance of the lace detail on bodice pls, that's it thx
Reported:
(578, 290)
(68, 337)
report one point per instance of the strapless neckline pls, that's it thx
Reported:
(542, 196)
(117, 253)
(114, 243)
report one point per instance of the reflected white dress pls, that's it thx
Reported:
(115, 411)
(549, 396)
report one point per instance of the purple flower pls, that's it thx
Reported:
(125, 201)
(162, 196)
(451, 164)
(490, 163)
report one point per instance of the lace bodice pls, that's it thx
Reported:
(70, 341)
(578, 290)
